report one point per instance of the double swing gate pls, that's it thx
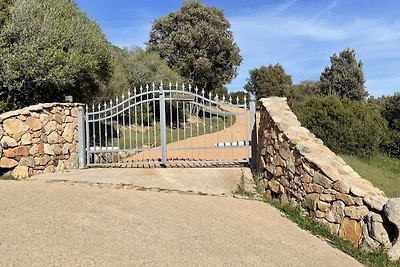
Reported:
(176, 125)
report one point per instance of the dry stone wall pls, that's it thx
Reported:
(39, 139)
(297, 167)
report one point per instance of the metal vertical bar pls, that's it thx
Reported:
(171, 123)
(81, 137)
(94, 135)
(118, 142)
(136, 126)
(197, 124)
(87, 130)
(112, 131)
(163, 126)
(123, 121)
(204, 124)
(219, 150)
(246, 127)
(105, 131)
(177, 115)
(130, 124)
(154, 121)
(253, 128)
(184, 121)
(142, 124)
(100, 147)
(231, 127)
(210, 113)
(225, 138)
(148, 122)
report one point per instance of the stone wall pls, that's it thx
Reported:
(39, 139)
(298, 168)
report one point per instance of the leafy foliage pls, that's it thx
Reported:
(135, 67)
(391, 112)
(345, 76)
(197, 42)
(268, 81)
(346, 126)
(50, 49)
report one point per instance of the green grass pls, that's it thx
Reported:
(382, 171)
(6, 177)
(241, 189)
(175, 134)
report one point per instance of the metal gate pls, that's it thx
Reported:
(167, 126)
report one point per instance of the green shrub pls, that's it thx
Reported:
(346, 126)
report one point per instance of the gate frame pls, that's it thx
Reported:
(83, 149)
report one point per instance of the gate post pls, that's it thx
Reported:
(81, 138)
(163, 126)
(253, 128)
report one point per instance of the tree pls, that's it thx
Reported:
(344, 77)
(135, 67)
(4, 10)
(391, 112)
(345, 126)
(50, 49)
(197, 42)
(268, 81)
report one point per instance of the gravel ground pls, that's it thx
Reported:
(45, 224)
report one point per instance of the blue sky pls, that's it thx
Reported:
(301, 35)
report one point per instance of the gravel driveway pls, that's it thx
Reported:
(56, 224)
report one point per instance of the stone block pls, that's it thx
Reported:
(356, 212)
(311, 201)
(20, 172)
(34, 123)
(7, 163)
(351, 231)
(15, 128)
(322, 180)
(376, 202)
(336, 212)
(341, 186)
(348, 200)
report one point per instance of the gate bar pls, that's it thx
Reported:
(163, 126)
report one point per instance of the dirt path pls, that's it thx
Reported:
(45, 224)
(237, 132)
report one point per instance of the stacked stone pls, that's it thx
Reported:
(39, 139)
(297, 167)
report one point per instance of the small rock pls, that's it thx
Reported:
(327, 197)
(8, 163)
(15, 128)
(356, 213)
(341, 187)
(34, 123)
(336, 212)
(392, 211)
(7, 141)
(376, 202)
(358, 191)
(350, 230)
(311, 201)
(323, 206)
(20, 172)
(49, 169)
(48, 150)
(348, 200)
(322, 180)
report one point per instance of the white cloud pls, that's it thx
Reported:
(304, 43)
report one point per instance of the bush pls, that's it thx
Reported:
(345, 126)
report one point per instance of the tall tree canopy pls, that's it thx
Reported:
(50, 49)
(197, 41)
(345, 76)
(268, 81)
